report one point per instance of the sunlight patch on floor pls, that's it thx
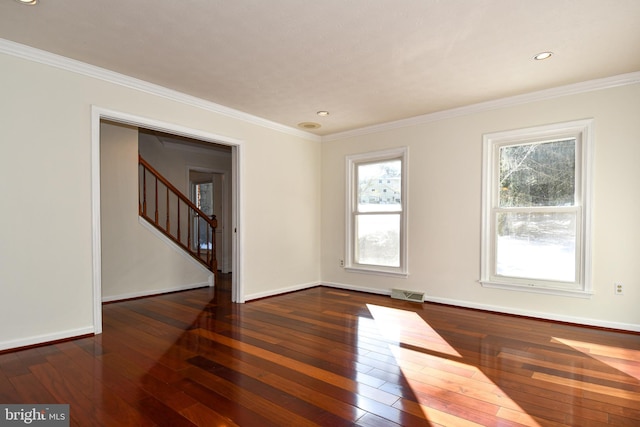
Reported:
(438, 374)
(408, 328)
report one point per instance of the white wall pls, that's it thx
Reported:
(135, 262)
(445, 208)
(46, 266)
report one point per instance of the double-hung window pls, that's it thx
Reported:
(376, 222)
(536, 209)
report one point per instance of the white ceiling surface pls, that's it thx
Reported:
(365, 61)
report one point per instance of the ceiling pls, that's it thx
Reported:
(366, 62)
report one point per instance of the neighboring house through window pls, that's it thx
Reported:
(536, 209)
(376, 212)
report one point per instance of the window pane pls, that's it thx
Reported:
(379, 186)
(537, 245)
(204, 197)
(540, 174)
(378, 240)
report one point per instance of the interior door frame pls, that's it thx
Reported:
(97, 115)
(226, 202)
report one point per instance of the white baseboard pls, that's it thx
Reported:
(40, 339)
(281, 291)
(147, 293)
(504, 310)
(585, 321)
(357, 288)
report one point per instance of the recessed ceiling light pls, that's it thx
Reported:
(28, 2)
(309, 125)
(543, 55)
(322, 113)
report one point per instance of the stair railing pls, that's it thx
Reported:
(175, 216)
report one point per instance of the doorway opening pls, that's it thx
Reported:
(232, 210)
(209, 190)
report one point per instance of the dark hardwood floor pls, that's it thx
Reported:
(331, 358)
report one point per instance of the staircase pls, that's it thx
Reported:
(177, 217)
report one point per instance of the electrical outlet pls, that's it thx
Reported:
(341, 263)
(618, 289)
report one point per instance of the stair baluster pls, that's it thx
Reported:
(194, 215)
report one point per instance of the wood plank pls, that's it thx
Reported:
(228, 407)
(281, 379)
(624, 397)
(158, 412)
(8, 392)
(29, 390)
(89, 381)
(325, 356)
(82, 410)
(202, 415)
(274, 395)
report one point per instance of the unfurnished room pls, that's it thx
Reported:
(320, 213)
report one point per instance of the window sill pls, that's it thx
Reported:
(538, 289)
(377, 272)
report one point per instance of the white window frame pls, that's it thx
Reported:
(582, 131)
(351, 203)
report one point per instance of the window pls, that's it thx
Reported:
(376, 223)
(536, 209)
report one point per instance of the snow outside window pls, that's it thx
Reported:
(536, 209)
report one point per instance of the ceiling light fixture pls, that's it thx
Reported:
(309, 125)
(28, 2)
(322, 113)
(543, 55)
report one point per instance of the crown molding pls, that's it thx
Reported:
(68, 64)
(572, 89)
(58, 61)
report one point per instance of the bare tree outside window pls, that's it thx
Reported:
(539, 245)
(536, 201)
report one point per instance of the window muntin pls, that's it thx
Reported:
(376, 217)
(536, 209)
